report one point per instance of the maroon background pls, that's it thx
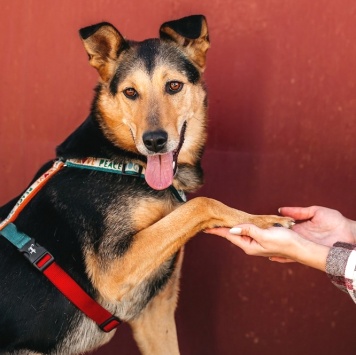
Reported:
(281, 78)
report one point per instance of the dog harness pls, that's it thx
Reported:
(44, 261)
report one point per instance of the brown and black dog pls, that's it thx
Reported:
(120, 236)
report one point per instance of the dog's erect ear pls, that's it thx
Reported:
(192, 34)
(103, 43)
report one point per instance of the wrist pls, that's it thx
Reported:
(353, 230)
(312, 254)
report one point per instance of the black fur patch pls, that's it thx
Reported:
(189, 27)
(86, 32)
(124, 68)
(191, 71)
(120, 74)
(158, 283)
(148, 51)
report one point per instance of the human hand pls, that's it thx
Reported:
(272, 242)
(321, 225)
(277, 243)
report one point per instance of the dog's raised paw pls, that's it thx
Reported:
(285, 222)
(273, 221)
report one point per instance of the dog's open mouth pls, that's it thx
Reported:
(161, 168)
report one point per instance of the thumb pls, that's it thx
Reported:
(298, 213)
(280, 259)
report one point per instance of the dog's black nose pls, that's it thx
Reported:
(155, 141)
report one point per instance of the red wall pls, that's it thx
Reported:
(282, 86)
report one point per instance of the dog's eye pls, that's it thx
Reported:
(131, 93)
(172, 87)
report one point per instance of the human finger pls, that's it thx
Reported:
(298, 213)
(222, 232)
(280, 259)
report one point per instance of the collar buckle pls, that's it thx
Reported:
(37, 255)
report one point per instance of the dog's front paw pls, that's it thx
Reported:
(272, 221)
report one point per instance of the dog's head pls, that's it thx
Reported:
(151, 98)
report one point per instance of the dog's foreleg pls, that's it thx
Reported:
(155, 329)
(155, 244)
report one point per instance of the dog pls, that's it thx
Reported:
(111, 212)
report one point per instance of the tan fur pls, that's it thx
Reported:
(155, 329)
(157, 210)
(123, 117)
(102, 48)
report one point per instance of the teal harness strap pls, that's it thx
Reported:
(38, 256)
(107, 165)
(179, 194)
(15, 237)
(110, 166)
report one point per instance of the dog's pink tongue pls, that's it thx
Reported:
(159, 171)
